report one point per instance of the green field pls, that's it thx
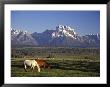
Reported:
(67, 62)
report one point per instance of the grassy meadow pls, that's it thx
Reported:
(64, 62)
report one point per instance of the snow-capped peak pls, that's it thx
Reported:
(61, 36)
(62, 31)
(13, 31)
(18, 31)
(61, 27)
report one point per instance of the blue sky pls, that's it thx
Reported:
(84, 22)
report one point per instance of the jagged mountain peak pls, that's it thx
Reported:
(61, 36)
(20, 37)
(60, 27)
(18, 31)
(64, 31)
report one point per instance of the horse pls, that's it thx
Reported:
(32, 64)
(42, 63)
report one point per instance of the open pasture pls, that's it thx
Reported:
(64, 62)
(61, 66)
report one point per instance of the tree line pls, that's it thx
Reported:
(51, 52)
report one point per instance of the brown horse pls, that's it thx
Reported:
(42, 63)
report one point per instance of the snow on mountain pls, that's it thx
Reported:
(20, 37)
(62, 31)
(61, 36)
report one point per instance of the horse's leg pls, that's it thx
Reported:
(44, 66)
(25, 67)
(32, 68)
(38, 67)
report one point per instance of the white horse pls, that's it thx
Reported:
(32, 64)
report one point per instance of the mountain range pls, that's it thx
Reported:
(62, 36)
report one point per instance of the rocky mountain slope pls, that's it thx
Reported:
(61, 36)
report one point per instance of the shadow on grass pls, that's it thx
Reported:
(82, 66)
